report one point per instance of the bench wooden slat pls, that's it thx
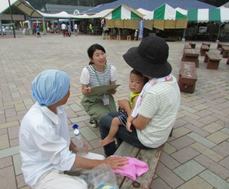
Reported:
(151, 157)
(213, 56)
(127, 150)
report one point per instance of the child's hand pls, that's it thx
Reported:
(128, 125)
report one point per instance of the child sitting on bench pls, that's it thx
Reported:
(136, 83)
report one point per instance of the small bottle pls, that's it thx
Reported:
(78, 140)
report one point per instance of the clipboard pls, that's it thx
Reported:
(102, 89)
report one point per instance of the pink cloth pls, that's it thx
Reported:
(133, 169)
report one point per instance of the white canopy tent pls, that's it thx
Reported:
(24, 6)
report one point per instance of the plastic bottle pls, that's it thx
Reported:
(78, 140)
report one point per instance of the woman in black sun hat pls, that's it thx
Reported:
(158, 104)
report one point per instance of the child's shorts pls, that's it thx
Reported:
(122, 117)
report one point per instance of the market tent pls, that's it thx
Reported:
(165, 12)
(183, 11)
(101, 14)
(123, 17)
(143, 11)
(60, 15)
(123, 12)
(151, 4)
(208, 15)
(24, 6)
(166, 17)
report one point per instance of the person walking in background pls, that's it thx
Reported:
(97, 73)
(38, 31)
(63, 28)
(46, 149)
(76, 29)
(34, 29)
(90, 29)
(69, 30)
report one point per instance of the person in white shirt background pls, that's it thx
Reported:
(76, 29)
(45, 145)
(63, 28)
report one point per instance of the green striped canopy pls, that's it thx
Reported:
(123, 12)
(165, 12)
(208, 15)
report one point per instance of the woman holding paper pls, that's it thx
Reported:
(98, 73)
(157, 106)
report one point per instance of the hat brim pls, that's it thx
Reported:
(134, 60)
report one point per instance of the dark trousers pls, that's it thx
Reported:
(122, 134)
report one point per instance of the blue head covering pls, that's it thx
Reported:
(50, 86)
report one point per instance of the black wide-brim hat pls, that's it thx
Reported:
(150, 57)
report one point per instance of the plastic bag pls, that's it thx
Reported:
(102, 177)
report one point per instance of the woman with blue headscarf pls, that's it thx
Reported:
(45, 145)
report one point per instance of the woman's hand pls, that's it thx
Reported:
(86, 90)
(74, 148)
(116, 162)
(112, 91)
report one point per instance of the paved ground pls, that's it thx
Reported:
(196, 156)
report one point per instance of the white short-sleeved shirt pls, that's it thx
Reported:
(63, 26)
(44, 141)
(161, 104)
(88, 76)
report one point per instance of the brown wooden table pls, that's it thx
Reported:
(187, 77)
(191, 55)
(187, 46)
(208, 44)
(212, 59)
(219, 46)
(203, 49)
(193, 45)
(224, 51)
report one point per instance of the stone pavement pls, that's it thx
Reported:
(196, 156)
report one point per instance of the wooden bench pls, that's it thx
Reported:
(108, 37)
(151, 157)
(208, 44)
(224, 51)
(187, 46)
(128, 37)
(203, 49)
(219, 45)
(212, 60)
(191, 55)
(187, 77)
(118, 37)
(193, 45)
